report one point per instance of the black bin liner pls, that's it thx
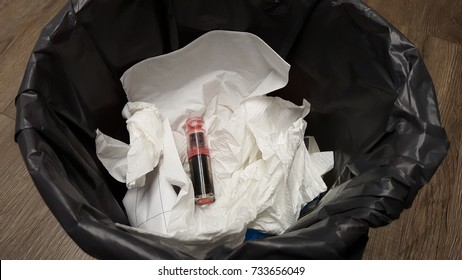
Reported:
(373, 103)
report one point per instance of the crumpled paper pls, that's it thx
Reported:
(263, 173)
(150, 197)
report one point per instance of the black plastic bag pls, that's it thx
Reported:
(372, 98)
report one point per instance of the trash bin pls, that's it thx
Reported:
(373, 103)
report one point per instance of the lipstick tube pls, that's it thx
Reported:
(199, 161)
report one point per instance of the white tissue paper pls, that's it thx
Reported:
(263, 173)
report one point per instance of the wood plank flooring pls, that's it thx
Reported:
(29, 230)
(431, 229)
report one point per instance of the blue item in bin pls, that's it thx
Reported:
(253, 234)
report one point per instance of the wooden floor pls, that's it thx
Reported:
(431, 229)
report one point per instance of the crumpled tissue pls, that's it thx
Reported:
(263, 173)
